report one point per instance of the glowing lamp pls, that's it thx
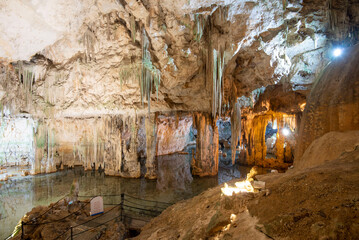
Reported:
(285, 131)
(337, 52)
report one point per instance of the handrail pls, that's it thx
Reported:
(148, 200)
(58, 220)
(144, 211)
(115, 195)
(48, 209)
(142, 205)
(87, 221)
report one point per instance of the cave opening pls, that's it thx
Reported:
(271, 139)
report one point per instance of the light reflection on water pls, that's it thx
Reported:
(19, 195)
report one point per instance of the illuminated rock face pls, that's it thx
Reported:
(206, 161)
(84, 61)
(173, 133)
(255, 151)
(333, 104)
(16, 140)
(109, 143)
(112, 143)
(270, 127)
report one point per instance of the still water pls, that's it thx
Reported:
(175, 182)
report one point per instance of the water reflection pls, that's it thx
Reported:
(174, 172)
(174, 183)
(18, 196)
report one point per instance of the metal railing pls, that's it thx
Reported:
(130, 208)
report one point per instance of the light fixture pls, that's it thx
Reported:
(285, 131)
(337, 52)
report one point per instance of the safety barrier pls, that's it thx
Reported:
(130, 208)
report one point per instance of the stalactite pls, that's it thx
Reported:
(89, 40)
(133, 28)
(26, 77)
(200, 21)
(285, 4)
(218, 67)
(151, 76)
(235, 129)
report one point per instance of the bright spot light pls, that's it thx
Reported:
(243, 186)
(233, 217)
(337, 52)
(302, 106)
(285, 131)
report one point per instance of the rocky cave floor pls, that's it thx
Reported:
(316, 203)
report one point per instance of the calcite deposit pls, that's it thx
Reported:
(171, 89)
(83, 63)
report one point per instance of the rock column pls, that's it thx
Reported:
(206, 160)
(151, 137)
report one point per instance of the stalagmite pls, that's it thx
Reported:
(206, 160)
(130, 165)
(235, 129)
(151, 137)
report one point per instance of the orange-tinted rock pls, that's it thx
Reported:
(333, 104)
(206, 160)
(151, 140)
(253, 138)
(172, 133)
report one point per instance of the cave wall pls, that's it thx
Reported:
(333, 103)
(112, 143)
(280, 106)
(87, 65)
(173, 133)
(109, 143)
(16, 140)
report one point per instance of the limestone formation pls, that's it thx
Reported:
(127, 87)
(206, 161)
(333, 104)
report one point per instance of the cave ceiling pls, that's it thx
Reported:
(85, 56)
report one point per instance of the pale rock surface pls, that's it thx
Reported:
(172, 134)
(85, 47)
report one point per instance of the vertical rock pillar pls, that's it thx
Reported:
(151, 139)
(44, 141)
(206, 160)
(130, 166)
